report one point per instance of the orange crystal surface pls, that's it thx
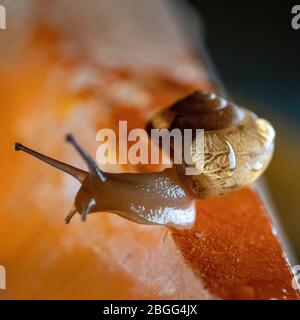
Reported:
(231, 251)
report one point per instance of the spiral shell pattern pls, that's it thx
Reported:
(238, 145)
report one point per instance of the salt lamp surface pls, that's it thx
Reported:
(76, 71)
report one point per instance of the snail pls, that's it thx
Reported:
(238, 146)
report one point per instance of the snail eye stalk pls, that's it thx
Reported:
(93, 168)
(77, 173)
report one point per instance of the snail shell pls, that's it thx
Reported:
(238, 145)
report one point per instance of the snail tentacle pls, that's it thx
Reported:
(70, 215)
(87, 209)
(94, 169)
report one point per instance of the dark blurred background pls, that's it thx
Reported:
(257, 55)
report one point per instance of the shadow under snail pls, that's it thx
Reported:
(238, 147)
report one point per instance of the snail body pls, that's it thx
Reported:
(237, 148)
(145, 198)
(151, 198)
